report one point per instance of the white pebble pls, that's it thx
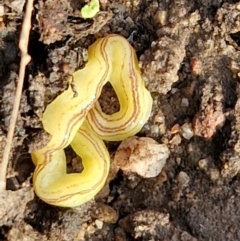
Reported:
(99, 224)
(187, 131)
(185, 102)
(143, 155)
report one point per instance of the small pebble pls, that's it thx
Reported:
(143, 156)
(183, 179)
(185, 102)
(187, 131)
(176, 140)
(99, 224)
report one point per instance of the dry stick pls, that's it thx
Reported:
(25, 59)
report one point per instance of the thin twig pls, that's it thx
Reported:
(25, 59)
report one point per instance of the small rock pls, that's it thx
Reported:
(202, 163)
(176, 140)
(183, 179)
(144, 156)
(159, 118)
(99, 224)
(187, 131)
(175, 129)
(154, 130)
(184, 102)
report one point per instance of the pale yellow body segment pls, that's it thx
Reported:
(78, 120)
(135, 101)
(53, 185)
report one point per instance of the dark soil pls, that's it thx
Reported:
(189, 56)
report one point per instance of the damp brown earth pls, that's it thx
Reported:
(189, 56)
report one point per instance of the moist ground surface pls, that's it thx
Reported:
(189, 56)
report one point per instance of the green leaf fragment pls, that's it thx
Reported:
(91, 9)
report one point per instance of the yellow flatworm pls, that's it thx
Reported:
(78, 120)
